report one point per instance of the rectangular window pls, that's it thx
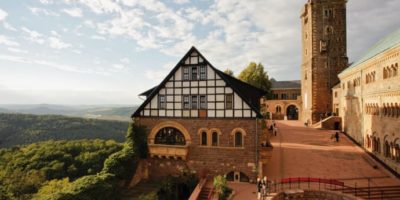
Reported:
(203, 73)
(194, 73)
(203, 102)
(186, 104)
(228, 101)
(161, 101)
(185, 73)
(194, 102)
(328, 13)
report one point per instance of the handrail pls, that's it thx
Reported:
(197, 190)
(210, 193)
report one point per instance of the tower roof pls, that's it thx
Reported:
(388, 42)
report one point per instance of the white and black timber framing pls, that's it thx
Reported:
(213, 87)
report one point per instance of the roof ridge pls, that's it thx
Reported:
(388, 42)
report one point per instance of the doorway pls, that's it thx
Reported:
(292, 112)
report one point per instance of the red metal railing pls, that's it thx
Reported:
(384, 192)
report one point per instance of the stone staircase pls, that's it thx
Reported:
(204, 193)
(143, 188)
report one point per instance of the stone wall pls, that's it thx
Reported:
(220, 159)
(362, 106)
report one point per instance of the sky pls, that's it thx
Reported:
(109, 51)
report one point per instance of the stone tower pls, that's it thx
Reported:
(324, 54)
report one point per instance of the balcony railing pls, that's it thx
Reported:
(168, 151)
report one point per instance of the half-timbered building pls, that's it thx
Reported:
(202, 119)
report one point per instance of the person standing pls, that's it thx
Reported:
(275, 131)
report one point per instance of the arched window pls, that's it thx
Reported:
(368, 141)
(392, 110)
(214, 139)
(395, 70)
(204, 138)
(238, 139)
(397, 150)
(386, 149)
(378, 146)
(278, 109)
(397, 110)
(169, 136)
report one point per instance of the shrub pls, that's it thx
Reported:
(221, 187)
(150, 196)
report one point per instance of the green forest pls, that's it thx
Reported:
(49, 166)
(17, 129)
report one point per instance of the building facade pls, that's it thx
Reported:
(202, 119)
(285, 102)
(324, 55)
(369, 101)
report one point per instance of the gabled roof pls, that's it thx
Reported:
(250, 94)
(295, 84)
(390, 41)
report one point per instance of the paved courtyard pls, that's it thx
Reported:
(306, 152)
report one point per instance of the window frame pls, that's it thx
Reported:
(194, 105)
(162, 104)
(186, 101)
(230, 102)
(203, 104)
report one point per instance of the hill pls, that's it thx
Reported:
(107, 112)
(17, 129)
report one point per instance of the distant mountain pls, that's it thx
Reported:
(107, 112)
(17, 129)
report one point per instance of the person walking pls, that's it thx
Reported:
(259, 187)
(337, 136)
(275, 131)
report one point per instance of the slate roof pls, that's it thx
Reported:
(276, 85)
(390, 41)
(250, 94)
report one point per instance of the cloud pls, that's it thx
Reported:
(97, 37)
(74, 12)
(118, 66)
(99, 6)
(9, 27)
(54, 33)
(77, 51)
(47, 63)
(33, 36)
(181, 1)
(38, 11)
(46, 1)
(3, 15)
(125, 60)
(16, 50)
(56, 43)
(7, 41)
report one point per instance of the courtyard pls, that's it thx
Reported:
(301, 151)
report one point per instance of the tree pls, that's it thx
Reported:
(255, 75)
(229, 72)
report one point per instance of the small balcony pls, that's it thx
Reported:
(168, 151)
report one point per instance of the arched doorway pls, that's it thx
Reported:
(292, 112)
